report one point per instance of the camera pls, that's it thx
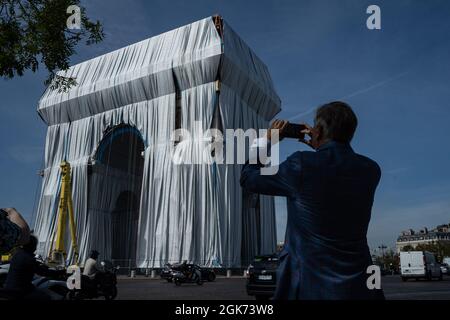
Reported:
(294, 131)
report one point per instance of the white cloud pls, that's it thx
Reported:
(396, 170)
(27, 154)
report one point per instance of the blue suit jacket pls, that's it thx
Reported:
(329, 194)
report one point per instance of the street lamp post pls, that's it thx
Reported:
(382, 248)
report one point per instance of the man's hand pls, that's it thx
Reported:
(279, 125)
(15, 217)
(307, 132)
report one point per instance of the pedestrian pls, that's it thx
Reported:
(330, 192)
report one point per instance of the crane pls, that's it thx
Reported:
(58, 254)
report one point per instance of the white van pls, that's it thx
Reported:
(419, 264)
(446, 260)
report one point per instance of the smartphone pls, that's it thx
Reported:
(294, 130)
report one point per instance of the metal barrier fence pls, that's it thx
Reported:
(129, 268)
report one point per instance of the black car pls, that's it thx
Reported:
(261, 277)
(167, 272)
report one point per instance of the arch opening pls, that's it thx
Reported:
(115, 179)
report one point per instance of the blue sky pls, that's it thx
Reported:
(397, 79)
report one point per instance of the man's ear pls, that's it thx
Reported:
(319, 133)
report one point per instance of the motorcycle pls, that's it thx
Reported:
(103, 285)
(166, 272)
(169, 269)
(190, 273)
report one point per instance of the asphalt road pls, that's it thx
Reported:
(234, 289)
(395, 289)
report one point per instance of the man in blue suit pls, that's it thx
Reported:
(330, 192)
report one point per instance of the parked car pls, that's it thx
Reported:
(419, 264)
(4, 269)
(261, 277)
(445, 268)
(170, 269)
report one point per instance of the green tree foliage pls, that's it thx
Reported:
(34, 32)
(390, 260)
(408, 247)
(440, 249)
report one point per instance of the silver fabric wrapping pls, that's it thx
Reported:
(193, 212)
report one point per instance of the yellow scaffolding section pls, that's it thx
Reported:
(58, 255)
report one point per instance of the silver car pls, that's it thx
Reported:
(445, 268)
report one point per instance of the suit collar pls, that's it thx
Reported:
(334, 144)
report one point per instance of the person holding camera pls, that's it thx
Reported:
(330, 192)
(24, 266)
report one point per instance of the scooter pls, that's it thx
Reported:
(188, 274)
(103, 285)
